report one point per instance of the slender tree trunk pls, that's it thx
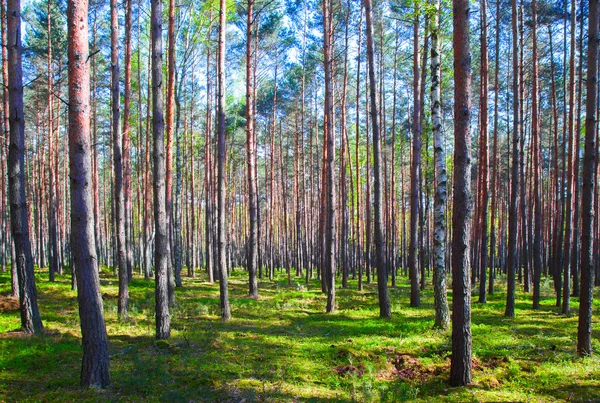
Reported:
(126, 138)
(118, 162)
(19, 217)
(483, 160)
(442, 315)
(329, 258)
(382, 288)
(221, 136)
(94, 368)
(566, 300)
(415, 298)
(513, 258)
(576, 163)
(357, 166)
(161, 243)
(535, 133)
(53, 237)
(252, 253)
(460, 365)
(170, 130)
(343, 170)
(208, 178)
(584, 333)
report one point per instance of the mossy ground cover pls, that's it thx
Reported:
(284, 348)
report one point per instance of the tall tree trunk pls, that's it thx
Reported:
(584, 333)
(208, 177)
(382, 288)
(19, 217)
(126, 138)
(221, 137)
(252, 253)
(357, 166)
(566, 300)
(415, 297)
(483, 160)
(94, 368)
(329, 258)
(442, 315)
(118, 161)
(53, 252)
(535, 133)
(576, 168)
(513, 258)
(161, 243)
(170, 130)
(460, 365)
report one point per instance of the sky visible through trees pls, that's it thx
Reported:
(443, 148)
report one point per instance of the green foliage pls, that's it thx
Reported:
(283, 348)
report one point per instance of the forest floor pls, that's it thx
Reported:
(284, 348)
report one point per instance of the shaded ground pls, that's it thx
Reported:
(283, 348)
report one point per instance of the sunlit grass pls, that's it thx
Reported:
(283, 347)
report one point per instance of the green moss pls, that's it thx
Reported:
(282, 348)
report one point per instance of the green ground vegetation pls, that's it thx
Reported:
(284, 348)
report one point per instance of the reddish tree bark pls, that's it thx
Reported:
(460, 365)
(94, 368)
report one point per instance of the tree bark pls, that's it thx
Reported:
(415, 297)
(535, 133)
(329, 250)
(161, 243)
(94, 368)
(513, 258)
(126, 139)
(170, 130)
(221, 138)
(252, 253)
(382, 276)
(483, 160)
(19, 217)
(584, 333)
(442, 315)
(118, 161)
(460, 364)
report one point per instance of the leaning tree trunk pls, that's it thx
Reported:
(161, 242)
(460, 365)
(94, 368)
(584, 334)
(382, 288)
(19, 218)
(442, 315)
